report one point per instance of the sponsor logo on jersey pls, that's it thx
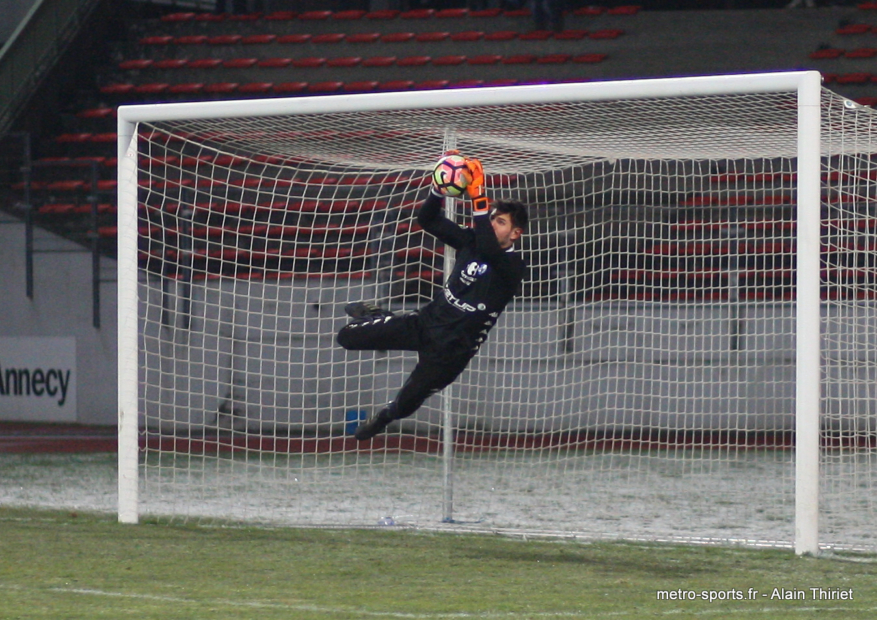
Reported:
(459, 303)
(472, 271)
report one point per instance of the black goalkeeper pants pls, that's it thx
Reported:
(435, 368)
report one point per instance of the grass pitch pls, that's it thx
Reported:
(69, 565)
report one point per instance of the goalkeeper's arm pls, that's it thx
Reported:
(485, 238)
(430, 218)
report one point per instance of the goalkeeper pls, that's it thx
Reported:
(447, 332)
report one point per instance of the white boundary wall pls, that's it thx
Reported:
(62, 308)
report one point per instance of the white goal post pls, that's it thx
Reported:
(661, 376)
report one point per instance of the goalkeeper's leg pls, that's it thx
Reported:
(382, 333)
(426, 379)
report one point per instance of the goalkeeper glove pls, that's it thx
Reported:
(475, 189)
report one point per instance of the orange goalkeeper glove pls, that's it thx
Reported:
(475, 189)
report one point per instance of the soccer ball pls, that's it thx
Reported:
(451, 175)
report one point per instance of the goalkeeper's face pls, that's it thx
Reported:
(504, 228)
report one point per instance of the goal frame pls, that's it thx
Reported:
(807, 85)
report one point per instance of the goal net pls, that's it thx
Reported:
(660, 376)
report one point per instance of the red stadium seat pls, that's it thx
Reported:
(191, 161)
(536, 35)
(631, 9)
(431, 37)
(191, 39)
(570, 35)
(344, 61)
(519, 59)
(308, 62)
(854, 78)
(363, 37)
(117, 89)
(60, 208)
(315, 15)
(66, 186)
(553, 59)
(152, 88)
(349, 14)
(210, 17)
(107, 136)
(274, 63)
(224, 39)
(396, 85)
(258, 39)
(140, 63)
(279, 16)
(466, 84)
(854, 29)
(102, 112)
(517, 13)
(157, 40)
(417, 14)
(204, 63)
(430, 85)
(379, 61)
(107, 185)
(445, 61)
(589, 11)
(170, 63)
(589, 58)
(467, 35)
(827, 53)
(862, 52)
(290, 87)
(419, 254)
(451, 13)
(335, 37)
(178, 17)
(486, 13)
(239, 63)
(608, 33)
(484, 59)
(501, 35)
(187, 88)
(230, 160)
(244, 17)
(413, 61)
(361, 86)
(397, 37)
(382, 14)
(328, 86)
(294, 38)
(221, 88)
(372, 205)
(256, 87)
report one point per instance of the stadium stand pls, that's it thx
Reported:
(187, 55)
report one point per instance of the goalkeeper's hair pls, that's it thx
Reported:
(516, 210)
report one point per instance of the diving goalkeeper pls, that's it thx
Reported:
(448, 331)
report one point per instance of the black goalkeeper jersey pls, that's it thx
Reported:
(484, 280)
